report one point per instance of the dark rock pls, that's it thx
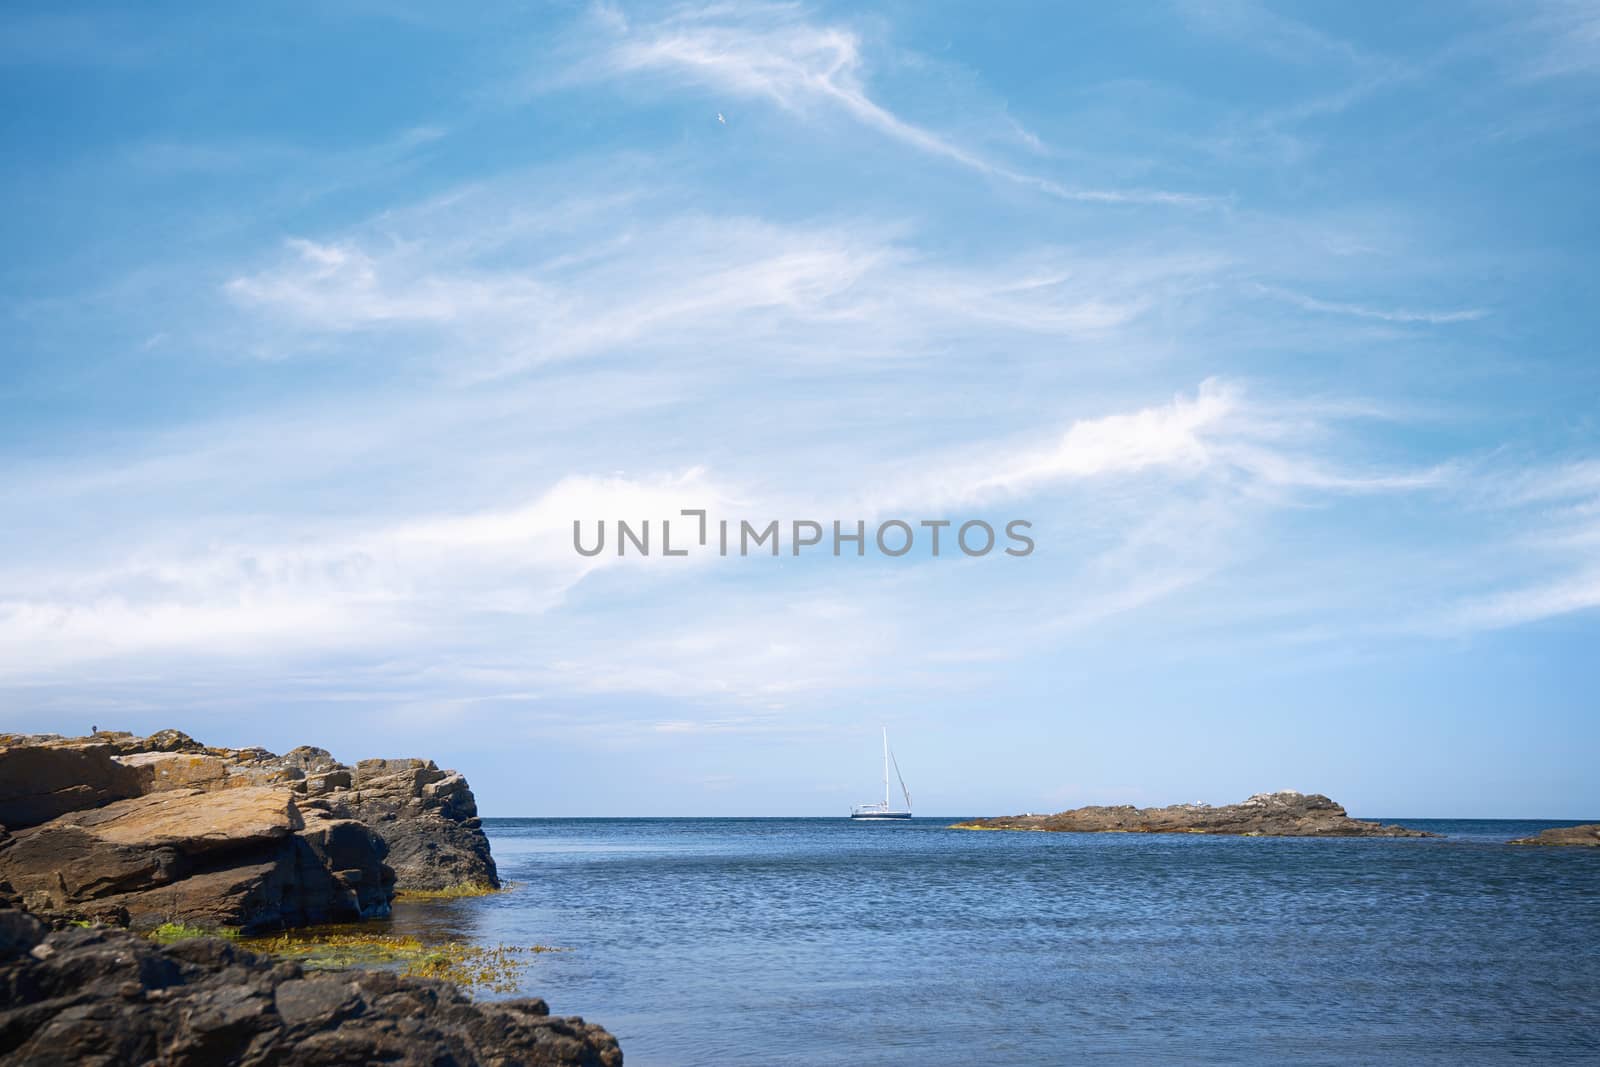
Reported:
(82, 996)
(429, 817)
(318, 1001)
(1281, 814)
(19, 932)
(1586, 836)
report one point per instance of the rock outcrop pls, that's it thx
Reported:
(1282, 814)
(99, 996)
(429, 818)
(1585, 836)
(145, 830)
(248, 858)
(41, 781)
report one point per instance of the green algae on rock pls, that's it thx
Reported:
(497, 968)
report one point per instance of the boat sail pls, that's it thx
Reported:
(883, 810)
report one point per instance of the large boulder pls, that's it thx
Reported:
(245, 857)
(311, 760)
(178, 770)
(41, 781)
(190, 820)
(96, 996)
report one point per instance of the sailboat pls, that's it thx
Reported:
(883, 810)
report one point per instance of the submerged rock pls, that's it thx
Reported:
(1282, 814)
(83, 996)
(1586, 836)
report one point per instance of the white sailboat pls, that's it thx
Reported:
(883, 810)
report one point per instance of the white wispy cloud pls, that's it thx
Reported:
(342, 287)
(1361, 311)
(693, 273)
(1546, 557)
(1175, 436)
(776, 53)
(1260, 27)
(683, 276)
(1571, 593)
(1576, 482)
(348, 589)
(1217, 432)
(392, 584)
(1561, 38)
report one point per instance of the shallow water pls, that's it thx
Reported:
(820, 941)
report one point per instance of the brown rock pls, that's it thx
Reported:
(191, 821)
(329, 782)
(427, 816)
(1281, 814)
(243, 857)
(310, 760)
(170, 741)
(1585, 836)
(166, 814)
(40, 781)
(178, 770)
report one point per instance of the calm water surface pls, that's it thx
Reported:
(811, 941)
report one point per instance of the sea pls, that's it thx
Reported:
(821, 941)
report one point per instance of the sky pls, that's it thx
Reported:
(323, 323)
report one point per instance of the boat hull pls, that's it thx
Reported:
(881, 816)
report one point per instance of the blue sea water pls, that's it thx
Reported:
(820, 941)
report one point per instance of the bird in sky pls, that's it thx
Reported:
(721, 119)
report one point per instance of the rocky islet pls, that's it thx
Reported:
(1585, 836)
(1282, 814)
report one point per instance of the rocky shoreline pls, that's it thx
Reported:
(1281, 814)
(163, 833)
(137, 831)
(79, 996)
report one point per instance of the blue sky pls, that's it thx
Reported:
(323, 323)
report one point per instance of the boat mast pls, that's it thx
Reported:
(902, 779)
(885, 768)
